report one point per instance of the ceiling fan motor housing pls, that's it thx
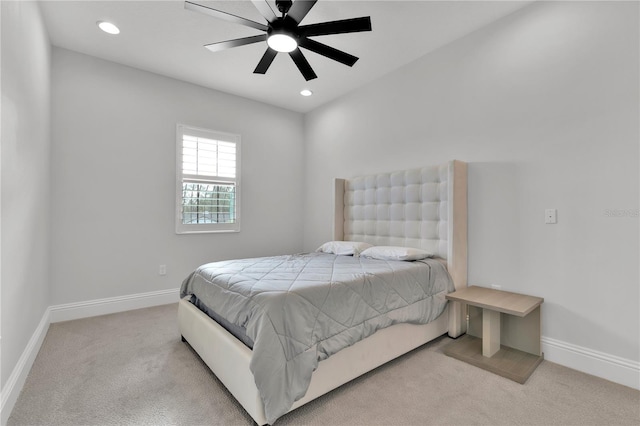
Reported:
(286, 26)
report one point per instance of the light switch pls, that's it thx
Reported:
(550, 216)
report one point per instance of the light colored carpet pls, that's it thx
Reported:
(132, 369)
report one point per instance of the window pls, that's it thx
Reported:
(208, 181)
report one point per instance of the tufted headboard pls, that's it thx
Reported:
(423, 208)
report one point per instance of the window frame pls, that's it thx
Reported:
(180, 228)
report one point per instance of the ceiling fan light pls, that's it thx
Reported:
(282, 43)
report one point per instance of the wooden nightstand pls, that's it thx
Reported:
(503, 332)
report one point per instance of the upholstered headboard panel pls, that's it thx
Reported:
(424, 208)
(407, 208)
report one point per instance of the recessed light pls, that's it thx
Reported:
(108, 27)
(306, 92)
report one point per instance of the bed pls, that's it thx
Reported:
(420, 208)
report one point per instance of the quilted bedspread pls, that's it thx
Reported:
(301, 309)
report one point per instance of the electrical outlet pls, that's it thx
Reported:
(496, 287)
(162, 270)
(551, 216)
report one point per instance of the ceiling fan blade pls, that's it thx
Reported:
(303, 65)
(223, 45)
(224, 15)
(328, 51)
(300, 8)
(353, 25)
(266, 61)
(264, 9)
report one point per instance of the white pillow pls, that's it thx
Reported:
(343, 248)
(395, 253)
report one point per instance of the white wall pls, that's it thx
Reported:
(25, 169)
(544, 106)
(113, 157)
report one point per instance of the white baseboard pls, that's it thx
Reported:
(111, 305)
(610, 367)
(66, 312)
(15, 382)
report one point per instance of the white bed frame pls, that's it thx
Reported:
(229, 358)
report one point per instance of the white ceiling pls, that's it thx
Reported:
(164, 38)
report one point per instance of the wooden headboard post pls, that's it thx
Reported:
(457, 250)
(455, 173)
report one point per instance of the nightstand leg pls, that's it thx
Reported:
(490, 332)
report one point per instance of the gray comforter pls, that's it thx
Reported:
(301, 309)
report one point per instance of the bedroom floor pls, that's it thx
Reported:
(132, 369)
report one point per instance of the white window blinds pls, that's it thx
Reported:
(208, 157)
(208, 187)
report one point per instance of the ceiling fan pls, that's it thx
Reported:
(285, 34)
